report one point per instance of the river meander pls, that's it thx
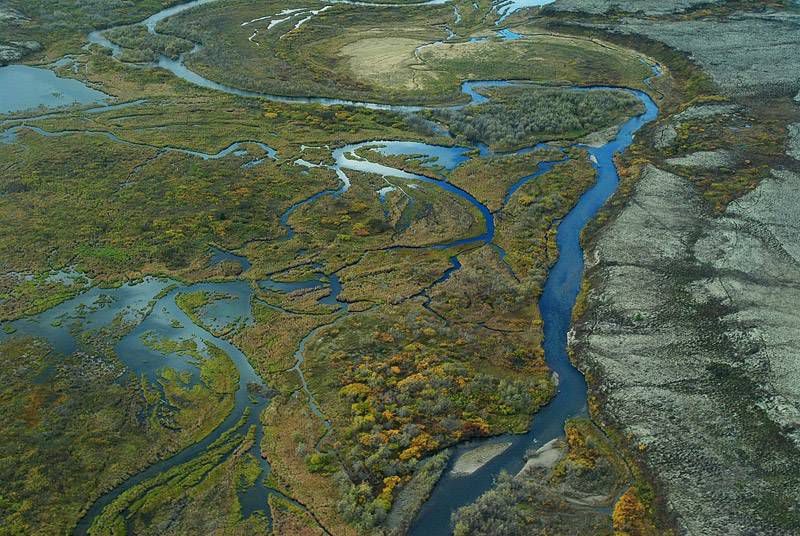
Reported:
(150, 304)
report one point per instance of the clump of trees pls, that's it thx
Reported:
(141, 46)
(630, 515)
(407, 393)
(517, 116)
(496, 512)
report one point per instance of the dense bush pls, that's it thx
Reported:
(523, 115)
(408, 387)
(141, 45)
(495, 513)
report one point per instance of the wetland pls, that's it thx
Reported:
(313, 269)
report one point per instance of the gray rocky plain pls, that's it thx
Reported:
(647, 7)
(692, 330)
(11, 51)
(692, 337)
(745, 53)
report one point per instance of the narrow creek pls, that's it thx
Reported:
(135, 301)
(151, 307)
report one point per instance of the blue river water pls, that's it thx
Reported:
(556, 304)
(151, 303)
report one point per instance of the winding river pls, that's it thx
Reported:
(556, 304)
(150, 304)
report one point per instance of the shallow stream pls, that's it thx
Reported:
(157, 313)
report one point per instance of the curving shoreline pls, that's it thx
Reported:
(556, 302)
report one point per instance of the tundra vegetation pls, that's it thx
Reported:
(385, 54)
(518, 117)
(74, 425)
(369, 389)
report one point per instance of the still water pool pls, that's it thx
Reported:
(23, 87)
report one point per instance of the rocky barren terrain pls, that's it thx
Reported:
(647, 7)
(745, 53)
(691, 338)
(690, 332)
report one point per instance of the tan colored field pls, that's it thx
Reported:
(412, 64)
(388, 61)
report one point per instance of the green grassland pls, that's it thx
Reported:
(488, 179)
(117, 209)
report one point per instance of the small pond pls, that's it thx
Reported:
(23, 87)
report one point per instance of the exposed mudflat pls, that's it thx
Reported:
(474, 459)
(545, 457)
